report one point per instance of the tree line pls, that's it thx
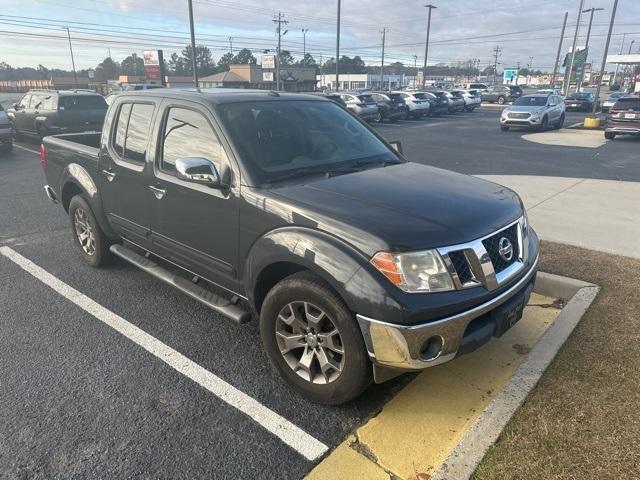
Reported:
(182, 64)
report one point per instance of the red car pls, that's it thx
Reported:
(623, 118)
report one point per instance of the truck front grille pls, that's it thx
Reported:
(461, 266)
(492, 244)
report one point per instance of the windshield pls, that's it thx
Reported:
(613, 96)
(83, 102)
(578, 96)
(293, 137)
(531, 101)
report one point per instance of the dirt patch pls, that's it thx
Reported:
(581, 421)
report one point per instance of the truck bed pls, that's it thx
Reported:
(74, 148)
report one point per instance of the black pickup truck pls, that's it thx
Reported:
(359, 264)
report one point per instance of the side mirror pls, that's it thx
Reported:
(397, 146)
(198, 170)
(16, 106)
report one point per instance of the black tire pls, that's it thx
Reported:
(356, 372)
(101, 255)
(501, 100)
(42, 131)
(504, 128)
(560, 122)
(609, 135)
(544, 124)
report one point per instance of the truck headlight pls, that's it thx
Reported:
(504, 113)
(414, 272)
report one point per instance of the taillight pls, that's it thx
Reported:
(42, 152)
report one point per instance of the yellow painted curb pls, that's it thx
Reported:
(591, 122)
(419, 427)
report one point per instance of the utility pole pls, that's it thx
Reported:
(338, 49)
(231, 45)
(604, 57)
(555, 65)
(279, 21)
(592, 10)
(517, 72)
(573, 49)
(304, 42)
(384, 34)
(628, 69)
(496, 54)
(194, 63)
(529, 65)
(426, 47)
(73, 63)
(615, 74)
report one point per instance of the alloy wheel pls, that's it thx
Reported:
(84, 231)
(310, 342)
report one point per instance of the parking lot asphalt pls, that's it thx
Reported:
(82, 401)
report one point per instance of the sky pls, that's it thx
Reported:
(527, 31)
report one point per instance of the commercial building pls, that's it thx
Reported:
(368, 81)
(293, 79)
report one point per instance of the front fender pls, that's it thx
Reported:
(340, 265)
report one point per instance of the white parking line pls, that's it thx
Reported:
(296, 438)
(25, 148)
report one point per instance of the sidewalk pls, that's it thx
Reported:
(601, 215)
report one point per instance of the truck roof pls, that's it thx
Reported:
(223, 95)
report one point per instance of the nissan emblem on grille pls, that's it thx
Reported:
(505, 249)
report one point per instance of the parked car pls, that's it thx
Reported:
(471, 98)
(515, 92)
(456, 101)
(363, 105)
(417, 103)
(611, 100)
(480, 87)
(392, 106)
(582, 101)
(499, 94)
(141, 86)
(47, 112)
(6, 134)
(310, 218)
(623, 118)
(333, 96)
(439, 102)
(534, 111)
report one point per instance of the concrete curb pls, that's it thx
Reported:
(470, 450)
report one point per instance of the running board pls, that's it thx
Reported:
(215, 302)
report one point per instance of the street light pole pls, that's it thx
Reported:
(304, 42)
(573, 49)
(73, 63)
(338, 49)
(604, 57)
(586, 45)
(193, 46)
(426, 47)
(555, 65)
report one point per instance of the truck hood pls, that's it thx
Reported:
(408, 206)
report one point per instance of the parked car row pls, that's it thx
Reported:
(380, 106)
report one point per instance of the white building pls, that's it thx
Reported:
(368, 81)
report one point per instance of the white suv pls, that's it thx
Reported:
(417, 103)
(534, 111)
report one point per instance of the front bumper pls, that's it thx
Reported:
(633, 129)
(402, 347)
(521, 122)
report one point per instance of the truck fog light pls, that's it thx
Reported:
(432, 348)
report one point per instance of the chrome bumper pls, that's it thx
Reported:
(399, 346)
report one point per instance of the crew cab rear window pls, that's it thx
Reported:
(132, 131)
(628, 103)
(82, 102)
(187, 133)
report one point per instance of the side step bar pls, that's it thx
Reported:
(219, 304)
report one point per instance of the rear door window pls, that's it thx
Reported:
(132, 131)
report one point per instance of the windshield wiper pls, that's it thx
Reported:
(356, 166)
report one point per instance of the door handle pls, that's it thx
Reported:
(158, 192)
(109, 174)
